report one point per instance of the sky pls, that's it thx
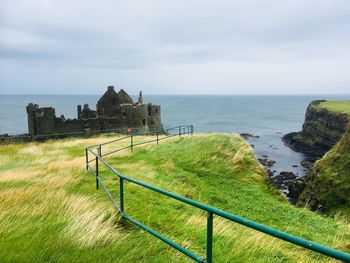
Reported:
(175, 47)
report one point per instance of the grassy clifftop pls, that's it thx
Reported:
(336, 106)
(51, 212)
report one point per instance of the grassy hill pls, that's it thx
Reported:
(51, 212)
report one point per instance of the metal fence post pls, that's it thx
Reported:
(96, 172)
(179, 131)
(87, 159)
(100, 151)
(210, 237)
(131, 142)
(157, 138)
(121, 190)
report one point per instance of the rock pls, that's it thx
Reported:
(306, 164)
(252, 145)
(295, 189)
(248, 136)
(294, 165)
(266, 162)
(264, 156)
(283, 180)
(287, 175)
(269, 172)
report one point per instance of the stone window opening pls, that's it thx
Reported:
(144, 122)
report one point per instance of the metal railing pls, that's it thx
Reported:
(211, 211)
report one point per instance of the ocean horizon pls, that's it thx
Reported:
(269, 117)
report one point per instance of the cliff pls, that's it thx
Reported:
(328, 185)
(325, 123)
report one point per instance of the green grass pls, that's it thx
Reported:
(337, 105)
(330, 180)
(51, 212)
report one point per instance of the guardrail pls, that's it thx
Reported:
(211, 211)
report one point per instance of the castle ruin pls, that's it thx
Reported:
(114, 111)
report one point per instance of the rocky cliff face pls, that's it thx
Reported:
(327, 186)
(321, 130)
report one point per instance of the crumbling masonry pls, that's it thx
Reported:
(114, 111)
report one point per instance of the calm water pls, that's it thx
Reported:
(267, 116)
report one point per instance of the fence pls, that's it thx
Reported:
(211, 211)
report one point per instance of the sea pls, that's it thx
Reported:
(267, 116)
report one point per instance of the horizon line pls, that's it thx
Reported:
(202, 94)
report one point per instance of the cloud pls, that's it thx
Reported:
(114, 40)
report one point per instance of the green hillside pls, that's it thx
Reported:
(50, 210)
(328, 186)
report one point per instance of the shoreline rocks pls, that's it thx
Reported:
(283, 180)
(248, 136)
(266, 162)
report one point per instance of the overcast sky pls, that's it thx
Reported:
(175, 47)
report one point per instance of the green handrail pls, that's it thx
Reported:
(328, 251)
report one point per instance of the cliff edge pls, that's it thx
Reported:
(327, 186)
(325, 135)
(325, 123)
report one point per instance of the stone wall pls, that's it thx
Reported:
(154, 119)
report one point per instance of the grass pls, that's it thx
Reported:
(330, 179)
(337, 106)
(51, 212)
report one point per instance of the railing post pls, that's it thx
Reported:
(210, 237)
(157, 138)
(179, 131)
(191, 129)
(87, 159)
(131, 142)
(121, 193)
(96, 172)
(100, 150)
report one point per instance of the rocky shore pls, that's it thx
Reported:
(280, 176)
(321, 131)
